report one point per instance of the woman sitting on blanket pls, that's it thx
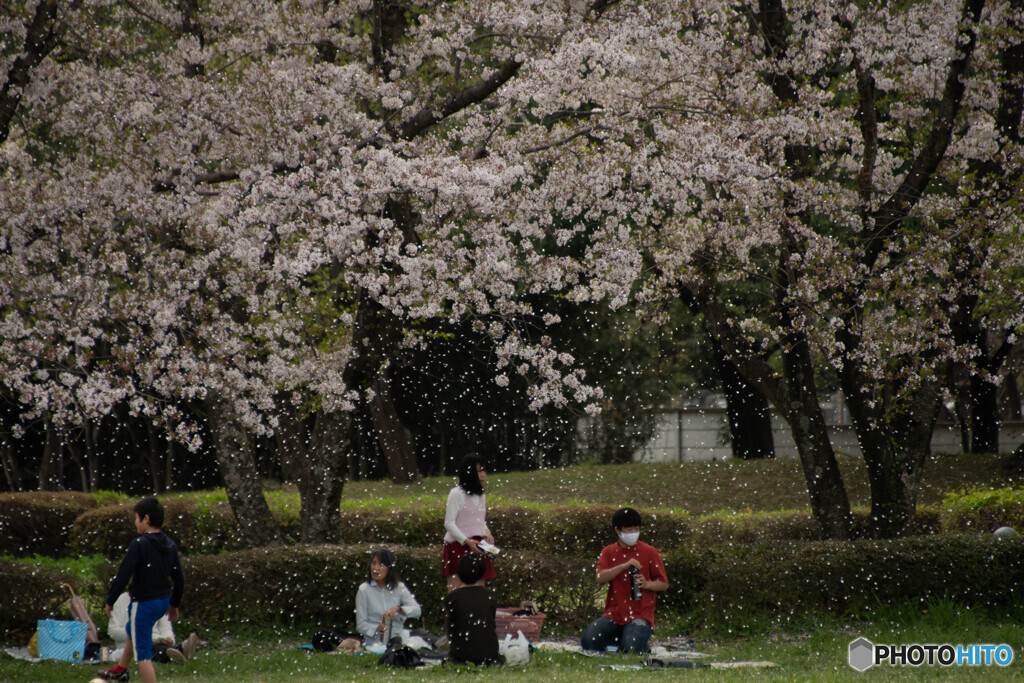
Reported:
(383, 602)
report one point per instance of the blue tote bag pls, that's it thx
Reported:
(64, 640)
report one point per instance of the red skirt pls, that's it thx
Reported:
(454, 551)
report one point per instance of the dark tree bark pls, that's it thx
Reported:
(312, 453)
(984, 415)
(42, 36)
(396, 440)
(8, 458)
(234, 451)
(798, 399)
(50, 474)
(750, 419)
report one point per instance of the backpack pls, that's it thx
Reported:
(327, 639)
(399, 655)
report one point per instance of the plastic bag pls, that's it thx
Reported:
(516, 650)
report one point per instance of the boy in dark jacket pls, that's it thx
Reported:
(470, 615)
(157, 584)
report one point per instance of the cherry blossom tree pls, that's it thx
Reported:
(243, 207)
(249, 206)
(818, 153)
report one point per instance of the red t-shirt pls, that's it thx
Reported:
(618, 604)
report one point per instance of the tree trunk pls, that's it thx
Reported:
(154, 459)
(80, 464)
(318, 469)
(895, 455)
(395, 438)
(92, 453)
(984, 415)
(234, 452)
(1010, 400)
(50, 473)
(829, 502)
(796, 398)
(10, 463)
(750, 420)
(169, 464)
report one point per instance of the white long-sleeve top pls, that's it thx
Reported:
(464, 516)
(372, 601)
(162, 629)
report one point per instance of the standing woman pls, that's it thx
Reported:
(465, 520)
(383, 602)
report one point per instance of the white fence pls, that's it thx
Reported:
(690, 434)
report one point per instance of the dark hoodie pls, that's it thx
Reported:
(152, 565)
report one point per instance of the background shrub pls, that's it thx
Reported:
(198, 527)
(72, 524)
(415, 526)
(838, 576)
(984, 511)
(720, 584)
(35, 591)
(516, 526)
(39, 522)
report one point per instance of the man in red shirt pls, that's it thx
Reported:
(626, 622)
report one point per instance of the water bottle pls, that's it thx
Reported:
(634, 585)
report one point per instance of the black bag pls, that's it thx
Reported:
(327, 639)
(92, 652)
(399, 655)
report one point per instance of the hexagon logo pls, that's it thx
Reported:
(862, 654)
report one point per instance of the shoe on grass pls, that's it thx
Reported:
(176, 655)
(190, 645)
(111, 675)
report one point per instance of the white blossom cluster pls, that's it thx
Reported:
(198, 206)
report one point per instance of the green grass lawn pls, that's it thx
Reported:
(699, 488)
(813, 653)
(696, 487)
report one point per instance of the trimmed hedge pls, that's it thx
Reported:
(789, 526)
(69, 524)
(316, 585)
(306, 584)
(211, 528)
(39, 522)
(984, 510)
(197, 528)
(31, 593)
(416, 526)
(837, 577)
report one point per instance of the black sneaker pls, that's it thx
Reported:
(111, 675)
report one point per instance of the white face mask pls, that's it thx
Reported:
(631, 538)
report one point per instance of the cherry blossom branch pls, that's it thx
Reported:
(41, 38)
(429, 116)
(720, 323)
(888, 216)
(869, 132)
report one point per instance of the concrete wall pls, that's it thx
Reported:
(690, 434)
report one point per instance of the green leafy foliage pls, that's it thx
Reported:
(984, 510)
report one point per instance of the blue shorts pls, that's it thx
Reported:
(142, 616)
